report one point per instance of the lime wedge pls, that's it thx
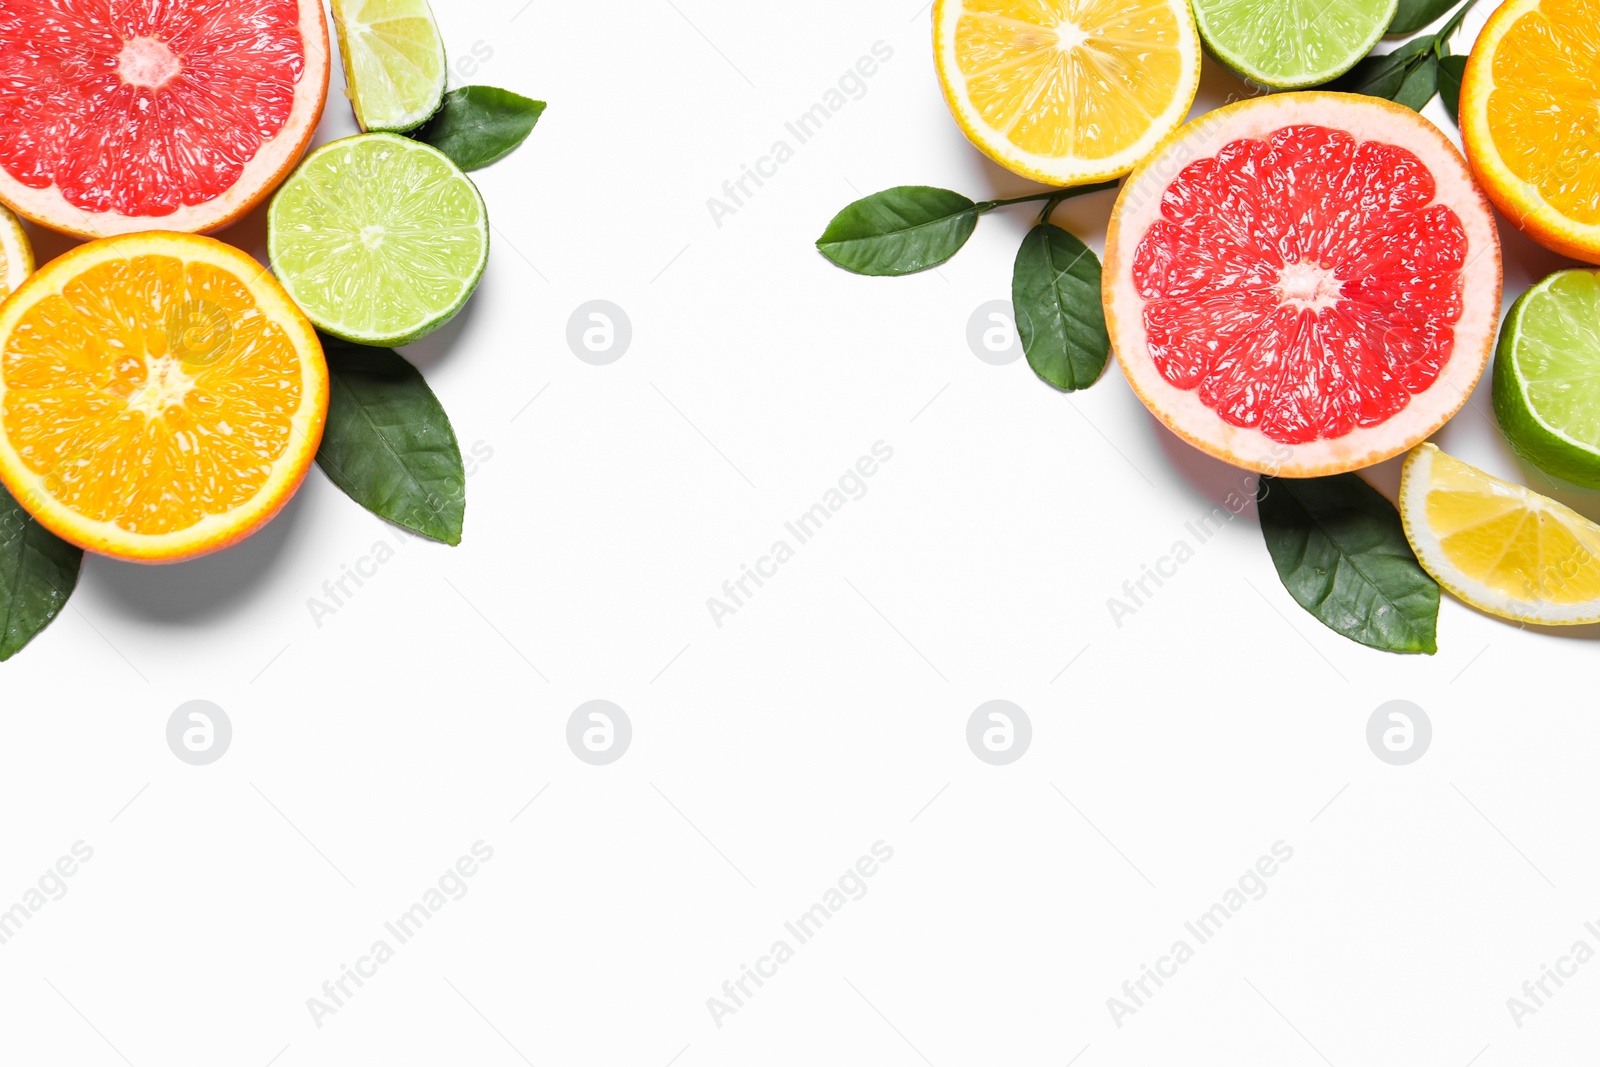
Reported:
(1547, 376)
(379, 238)
(394, 62)
(1292, 44)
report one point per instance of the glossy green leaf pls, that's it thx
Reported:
(1402, 76)
(1341, 552)
(1450, 71)
(1413, 15)
(478, 125)
(389, 444)
(38, 572)
(903, 230)
(1055, 294)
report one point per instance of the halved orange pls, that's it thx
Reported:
(1530, 120)
(161, 396)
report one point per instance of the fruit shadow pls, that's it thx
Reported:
(200, 590)
(434, 348)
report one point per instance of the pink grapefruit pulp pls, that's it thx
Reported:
(1303, 284)
(163, 114)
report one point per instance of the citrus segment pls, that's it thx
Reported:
(1500, 547)
(394, 61)
(1292, 44)
(1530, 120)
(379, 238)
(16, 254)
(1286, 282)
(1067, 91)
(160, 396)
(180, 114)
(1547, 376)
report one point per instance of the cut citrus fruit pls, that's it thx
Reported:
(16, 254)
(394, 62)
(1530, 120)
(1067, 91)
(180, 115)
(1303, 284)
(1503, 549)
(1547, 376)
(160, 396)
(379, 238)
(1292, 44)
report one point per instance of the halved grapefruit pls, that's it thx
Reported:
(1303, 284)
(173, 115)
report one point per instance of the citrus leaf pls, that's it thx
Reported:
(478, 125)
(1450, 71)
(1413, 15)
(1421, 84)
(1055, 293)
(389, 444)
(1395, 74)
(1341, 552)
(38, 572)
(903, 230)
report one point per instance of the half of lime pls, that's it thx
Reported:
(380, 239)
(16, 254)
(1292, 44)
(1547, 376)
(394, 62)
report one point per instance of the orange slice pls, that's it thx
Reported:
(1067, 91)
(161, 396)
(1530, 120)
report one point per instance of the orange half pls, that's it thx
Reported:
(161, 396)
(1530, 120)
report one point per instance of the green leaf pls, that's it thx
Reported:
(1055, 294)
(1450, 71)
(1401, 76)
(478, 125)
(389, 445)
(1413, 15)
(38, 572)
(903, 230)
(1342, 553)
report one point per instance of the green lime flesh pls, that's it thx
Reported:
(1292, 44)
(380, 239)
(394, 62)
(1547, 377)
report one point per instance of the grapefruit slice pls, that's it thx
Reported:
(179, 115)
(160, 396)
(1303, 284)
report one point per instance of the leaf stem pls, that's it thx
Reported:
(1056, 196)
(1442, 38)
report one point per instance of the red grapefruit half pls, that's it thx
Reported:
(1303, 284)
(170, 115)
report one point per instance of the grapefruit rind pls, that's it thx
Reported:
(1062, 170)
(276, 158)
(214, 532)
(1416, 483)
(1366, 118)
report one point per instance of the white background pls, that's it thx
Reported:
(828, 714)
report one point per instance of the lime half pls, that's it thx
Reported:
(1547, 376)
(379, 238)
(1292, 44)
(394, 62)
(16, 254)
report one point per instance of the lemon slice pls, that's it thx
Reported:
(16, 255)
(394, 62)
(1503, 549)
(1067, 91)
